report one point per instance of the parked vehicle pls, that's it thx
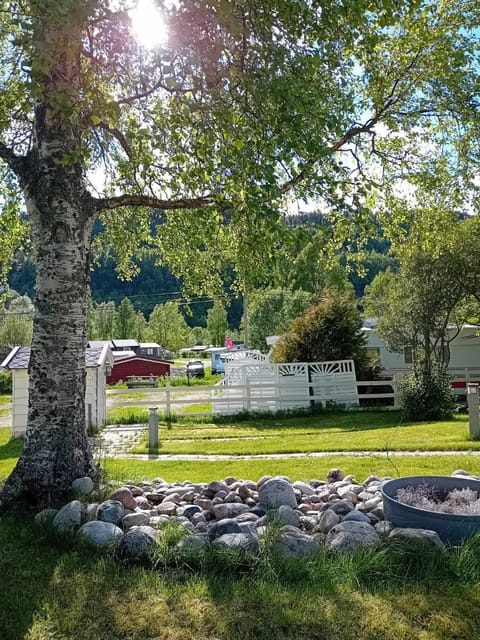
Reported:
(195, 369)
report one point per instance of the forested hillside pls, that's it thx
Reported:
(155, 284)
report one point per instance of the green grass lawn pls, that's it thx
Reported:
(296, 468)
(59, 589)
(353, 431)
(53, 589)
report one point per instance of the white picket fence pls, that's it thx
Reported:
(258, 386)
(263, 387)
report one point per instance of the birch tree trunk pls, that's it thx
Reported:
(56, 449)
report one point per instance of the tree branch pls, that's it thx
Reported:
(16, 163)
(336, 146)
(390, 100)
(126, 200)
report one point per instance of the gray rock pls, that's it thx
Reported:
(100, 534)
(193, 543)
(262, 481)
(135, 519)
(295, 544)
(424, 535)
(149, 530)
(356, 516)
(82, 486)
(232, 496)
(188, 525)
(244, 492)
(342, 507)
(158, 521)
(217, 486)
(166, 509)
(190, 510)
(377, 512)
(237, 541)
(154, 497)
(286, 515)
(348, 536)
(383, 528)
(198, 517)
(305, 488)
(277, 492)
(247, 517)
(248, 528)
(229, 510)
(334, 475)
(308, 523)
(227, 525)
(135, 544)
(90, 511)
(110, 511)
(352, 488)
(44, 518)
(68, 518)
(204, 503)
(142, 502)
(328, 519)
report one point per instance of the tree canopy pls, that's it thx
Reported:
(329, 330)
(198, 143)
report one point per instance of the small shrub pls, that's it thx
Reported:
(427, 396)
(6, 382)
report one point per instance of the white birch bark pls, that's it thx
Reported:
(56, 449)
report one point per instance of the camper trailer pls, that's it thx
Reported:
(218, 359)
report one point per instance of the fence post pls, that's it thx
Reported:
(473, 411)
(248, 397)
(153, 428)
(168, 409)
(397, 379)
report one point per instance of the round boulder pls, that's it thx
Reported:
(68, 518)
(125, 496)
(277, 492)
(100, 534)
(135, 544)
(82, 486)
(350, 535)
(110, 511)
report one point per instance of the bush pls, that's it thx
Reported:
(6, 382)
(329, 330)
(427, 396)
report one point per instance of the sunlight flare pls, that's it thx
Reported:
(148, 24)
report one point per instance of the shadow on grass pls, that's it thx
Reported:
(68, 591)
(346, 420)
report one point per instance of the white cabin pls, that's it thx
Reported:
(464, 350)
(99, 361)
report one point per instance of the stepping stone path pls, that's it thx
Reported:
(341, 514)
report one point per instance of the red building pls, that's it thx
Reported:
(135, 365)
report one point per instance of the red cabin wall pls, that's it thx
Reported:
(137, 366)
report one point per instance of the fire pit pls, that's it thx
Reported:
(451, 527)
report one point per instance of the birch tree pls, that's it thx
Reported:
(198, 142)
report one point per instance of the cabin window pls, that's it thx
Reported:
(150, 351)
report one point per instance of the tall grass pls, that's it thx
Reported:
(398, 592)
